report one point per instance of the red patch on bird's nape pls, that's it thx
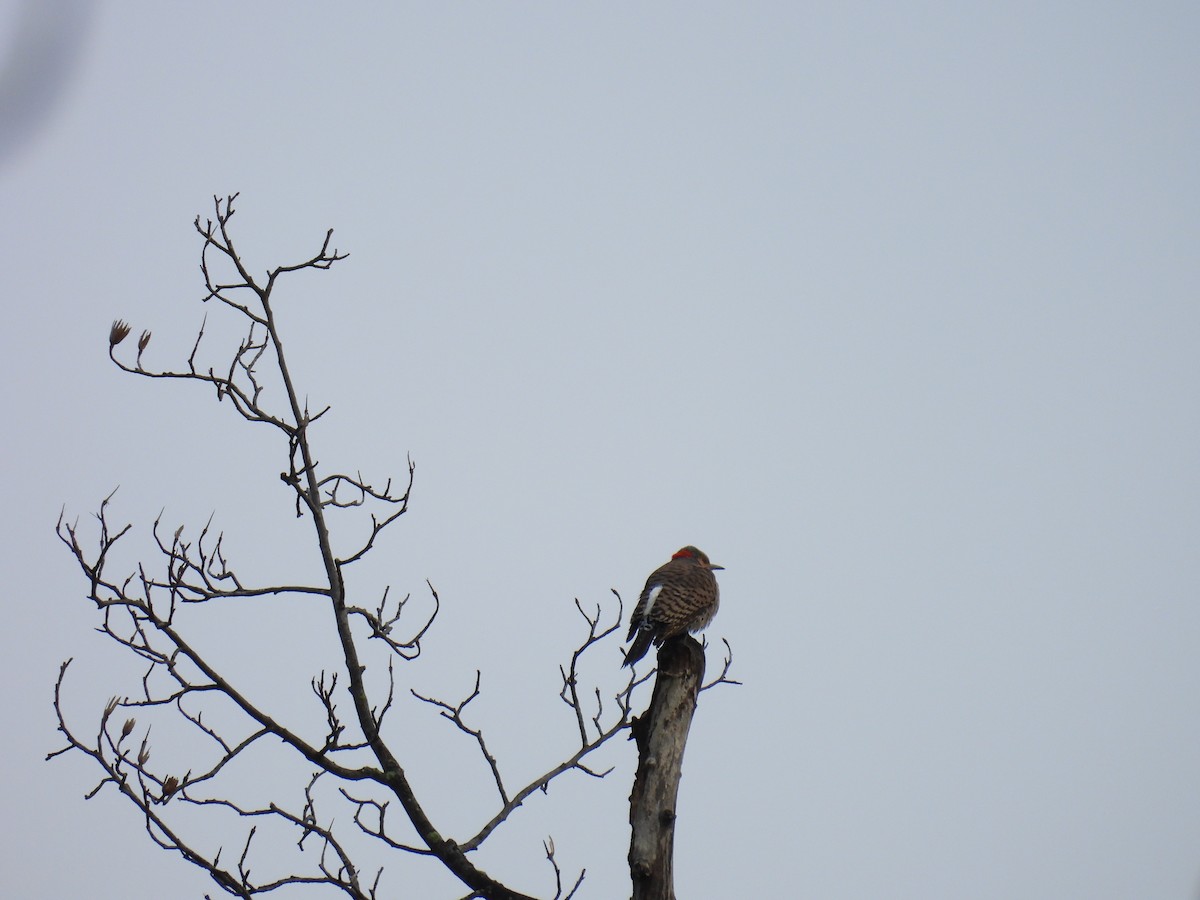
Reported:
(683, 554)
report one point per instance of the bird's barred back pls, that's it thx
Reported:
(679, 597)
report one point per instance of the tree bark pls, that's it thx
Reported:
(661, 735)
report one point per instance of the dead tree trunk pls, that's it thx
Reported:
(661, 735)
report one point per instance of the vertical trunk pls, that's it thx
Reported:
(661, 735)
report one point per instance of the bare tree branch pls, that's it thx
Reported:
(723, 676)
(454, 714)
(138, 612)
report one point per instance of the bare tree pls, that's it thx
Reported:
(353, 776)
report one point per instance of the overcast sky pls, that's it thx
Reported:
(893, 309)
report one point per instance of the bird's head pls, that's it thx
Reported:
(700, 558)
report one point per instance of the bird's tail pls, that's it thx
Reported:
(640, 645)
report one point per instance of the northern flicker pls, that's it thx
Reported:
(679, 597)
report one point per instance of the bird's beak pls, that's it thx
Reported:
(715, 566)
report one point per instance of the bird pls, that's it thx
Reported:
(679, 596)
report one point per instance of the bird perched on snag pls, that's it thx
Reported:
(679, 597)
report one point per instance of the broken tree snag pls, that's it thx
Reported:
(661, 735)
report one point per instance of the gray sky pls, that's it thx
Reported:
(892, 309)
